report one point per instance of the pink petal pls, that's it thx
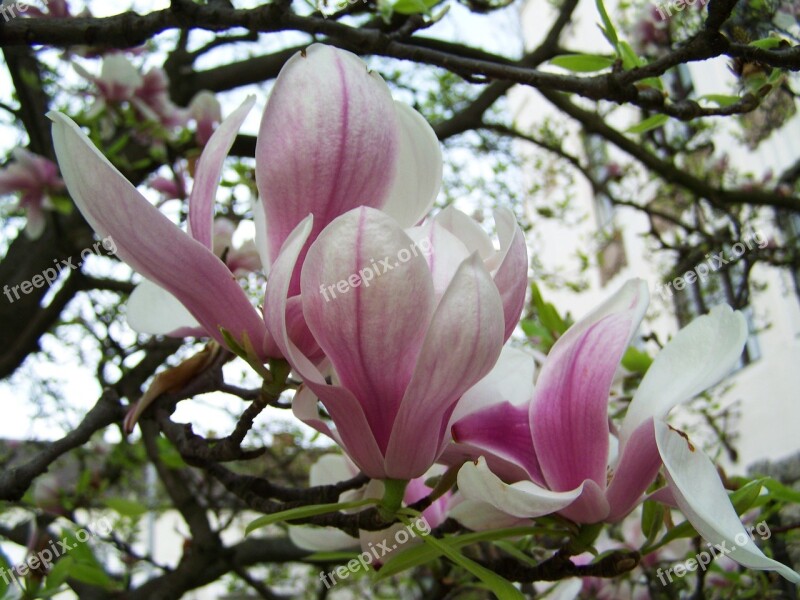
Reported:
(351, 423)
(149, 242)
(209, 172)
(461, 346)
(501, 430)
(569, 412)
(373, 330)
(328, 141)
(635, 472)
(511, 276)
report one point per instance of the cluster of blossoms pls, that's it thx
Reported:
(34, 179)
(413, 370)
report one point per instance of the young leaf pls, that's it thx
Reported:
(582, 63)
(608, 27)
(304, 512)
(653, 122)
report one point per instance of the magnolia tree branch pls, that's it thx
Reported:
(131, 29)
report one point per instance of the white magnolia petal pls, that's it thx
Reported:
(419, 169)
(700, 495)
(331, 469)
(262, 241)
(697, 357)
(523, 499)
(467, 230)
(152, 309)
(321, 539)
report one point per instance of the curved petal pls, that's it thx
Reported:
(569, 412)
(701, 497)
(443, 251)
(522, 500)
(697, 357)
(352, 427)
(352, 322)
(462, 345)
(590, 507)
(330, 469)
(151, 243)
(419, 169)
(467, 230)
(209, 171)
(152, 309)
(636, 470)
(511, 276)
(328, 141)
(502, 430)
(321, 539)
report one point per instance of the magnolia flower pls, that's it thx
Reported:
(206, 112)
(120, 81)
(312, 157)
(335, 468)
(32, 177)
(423, 317)
(565, 449)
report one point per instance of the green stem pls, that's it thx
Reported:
(393, 491)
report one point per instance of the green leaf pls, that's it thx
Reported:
(413, 7)
(767, 43)
(91, 574)
(630, 60)
(420, 555)
(778, 491)
(744, 498)
(125, 507)
(652, 520)
(582, 63)
(548, 315)
(499, 586)
(650, 123)
(636, 360)
(168, 454)
(59, 573)
(608, 29)
(721, 99)
(304, 512)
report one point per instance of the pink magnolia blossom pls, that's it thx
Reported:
(120, 81)
(206, 112)
(406, 342)
(33, 177)
(564, 444)
(358, 147)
